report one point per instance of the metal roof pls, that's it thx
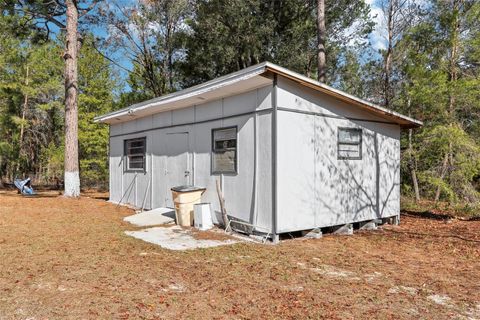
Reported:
(241, 81)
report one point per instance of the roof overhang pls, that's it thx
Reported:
(242, 81)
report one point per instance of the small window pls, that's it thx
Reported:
(349, 144)
(135, 154)
(224, 150)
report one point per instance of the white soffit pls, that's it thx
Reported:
(235, 83)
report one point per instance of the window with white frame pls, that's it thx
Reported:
(135, 154)
(349, 144)
(224, 150)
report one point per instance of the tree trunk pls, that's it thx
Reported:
(412, 161)
(453, 76)
(221, 199)
(412, 167)
(168, 45)
(22, 125)
(72, 176)
(443, 171)
(1, 172)
(321, 37)
(24, 111)
(388, 55)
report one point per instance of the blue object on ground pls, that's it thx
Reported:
(24, 186)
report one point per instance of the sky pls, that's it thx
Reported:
(377, 37)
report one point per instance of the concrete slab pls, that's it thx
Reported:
(153, 217)
(175, 238)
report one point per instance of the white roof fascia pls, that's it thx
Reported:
(205, 87)
(293, 74)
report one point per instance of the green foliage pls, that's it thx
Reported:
(96, 85)
(152, 34)
(229, 35)
(463, 162)
(52, 157)
(31, 108)
(441, 83)
(435, 75)
(30, 93)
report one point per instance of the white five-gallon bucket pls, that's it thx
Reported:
(202, 216)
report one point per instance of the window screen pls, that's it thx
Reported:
(349, 143)
(224, 150)
(135, 154)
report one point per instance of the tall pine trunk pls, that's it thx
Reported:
(72, 176)
(412, 160)
(22, 125)
(24, 111)
(388, 55)
(321, 37)
(453, 77)
(443, 172)
(413, 172)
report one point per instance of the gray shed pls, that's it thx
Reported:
(291, 153)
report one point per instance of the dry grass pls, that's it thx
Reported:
(69, 259)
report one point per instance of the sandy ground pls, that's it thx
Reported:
(69, 259)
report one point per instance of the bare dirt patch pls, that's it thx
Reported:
(70, 259)
(214, 234)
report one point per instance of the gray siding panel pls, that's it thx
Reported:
(181, 116)
(239, 189)
(264, 98)
(116, 128)
(241, 103)
(144, 123)
(297, 97)
(116, 168)
(318, 190)
(129, 187)
(247, 194)
(210, 110)
(203, 177)
(296, 172)
(263, 210)
(344, 191)
(129, 126)
(162, 119)
(158, 168)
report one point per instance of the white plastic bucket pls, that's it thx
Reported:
(202, 216)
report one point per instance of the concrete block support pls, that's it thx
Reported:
(395, 220)
(275, 238)
(315, 233)
(345, 229)
(368, 225)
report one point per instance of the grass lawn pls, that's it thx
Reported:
(70, 259)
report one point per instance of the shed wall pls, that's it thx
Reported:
(247, 193)
(315, 189)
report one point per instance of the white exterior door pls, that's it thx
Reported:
(178, 169)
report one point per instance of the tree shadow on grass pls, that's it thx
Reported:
(36, 196)
(427, 215)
